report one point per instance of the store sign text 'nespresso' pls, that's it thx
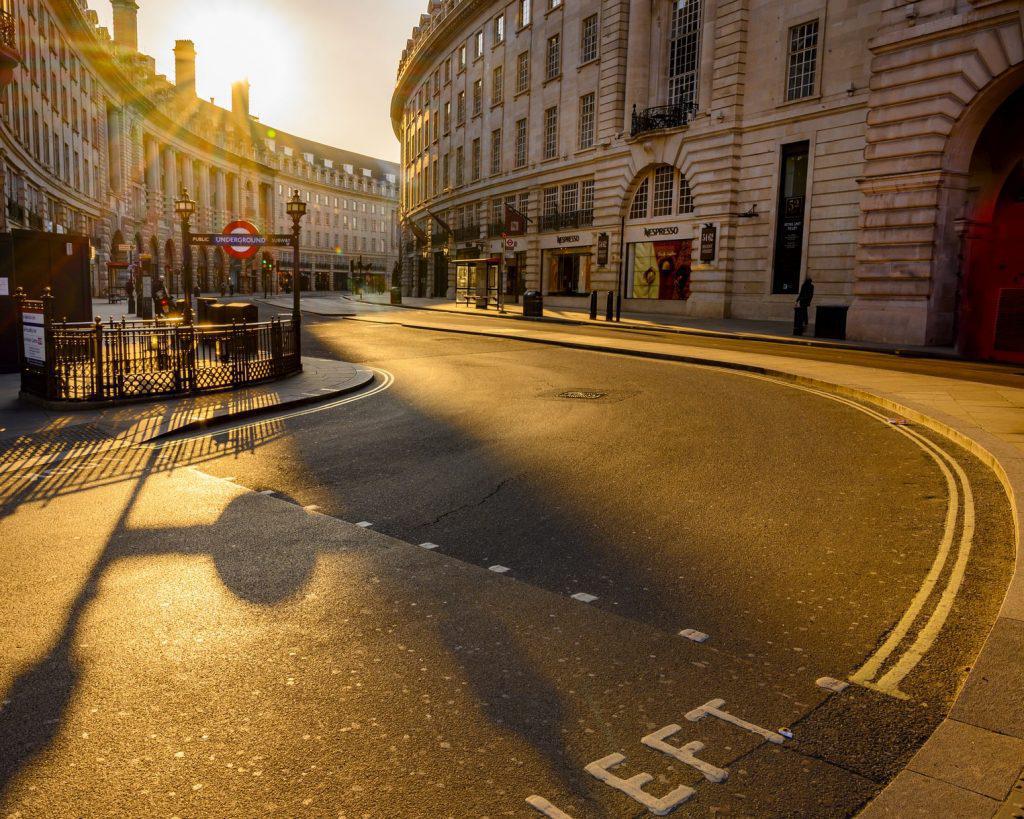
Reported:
(669, 230)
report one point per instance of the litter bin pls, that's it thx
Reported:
(533, 304)
(830, 321)
(238, 311)
(396, 295)
(481, 302)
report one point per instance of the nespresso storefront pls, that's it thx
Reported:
(659, 258)
(567, 261)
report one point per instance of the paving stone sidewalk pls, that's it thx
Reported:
(321, 379)
(779, 332)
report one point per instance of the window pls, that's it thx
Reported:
(588, 39)
(524, 12)
(460, 166)
(436, 82)
(446, 173)
(638, 210)
(499, 29)
(496, 152)
(586, 135)
(587, 196)
(462, 58)
(460, 109)
(478, 97)
(476, 160)
(447, 116)
(523, 72)
(551, 133)
(570, 198)
(478, 45)
(549, 205)
(447, 71)
(435, 122)
(553, 63)
(498, 85)
(521, 147)
(684, 52)
(803, 60)
(664, 185)
(685, 196)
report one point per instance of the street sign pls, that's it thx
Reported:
(33, 337)
(230, 241)
(246, 241)
(602, 249)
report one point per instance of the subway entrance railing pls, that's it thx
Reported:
(131, 360)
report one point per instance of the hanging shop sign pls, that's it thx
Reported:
(602, 249)
(708, 242)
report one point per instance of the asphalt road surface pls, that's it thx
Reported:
(609, 544)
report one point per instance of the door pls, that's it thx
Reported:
(992, 300)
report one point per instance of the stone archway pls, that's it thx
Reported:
(916, 189)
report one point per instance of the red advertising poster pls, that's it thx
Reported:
(661, 270)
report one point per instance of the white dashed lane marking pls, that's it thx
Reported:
(693, 634)
(583, 597)
(499, 569)
(365, 524)
(541, 804)
(831, 684)
(429, 546)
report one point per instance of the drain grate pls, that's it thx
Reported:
(582, 395)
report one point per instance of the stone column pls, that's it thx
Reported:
(222, 197)
(637, 61)
(236, 197)
(170, 181)
(153, 194)
(187, 177)
(203, 194)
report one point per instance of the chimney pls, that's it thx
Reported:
(185, 66)
(240, 100)
(126, 26)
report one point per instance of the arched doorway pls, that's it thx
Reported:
(990, 299)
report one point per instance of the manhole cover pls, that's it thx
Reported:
(582, 395)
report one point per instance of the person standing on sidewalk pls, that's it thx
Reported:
(803, 304)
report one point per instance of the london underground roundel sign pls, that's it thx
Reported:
(249, 239)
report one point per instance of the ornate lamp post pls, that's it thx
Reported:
(296, 208)
(185, 207)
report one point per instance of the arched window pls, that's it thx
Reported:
(663, 191)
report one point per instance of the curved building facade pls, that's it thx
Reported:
(704, 157)
(95, 142)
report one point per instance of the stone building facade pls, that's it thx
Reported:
(704, 157)
(95, 142)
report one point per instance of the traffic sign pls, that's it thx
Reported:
(246, 241)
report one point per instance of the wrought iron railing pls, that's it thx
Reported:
(467, 233)
(141, 359)
(662, 117)
(568, 219)
(8, 31)
(495, 229)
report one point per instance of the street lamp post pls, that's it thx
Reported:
(296, 208)
(185, 207)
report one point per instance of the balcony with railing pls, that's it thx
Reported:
(561, 220)
(495, 229)
(467, 233)
(662, 118)
(10, 57)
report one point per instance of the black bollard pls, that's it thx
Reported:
(593, 305)
(609, 310)
(618, 306)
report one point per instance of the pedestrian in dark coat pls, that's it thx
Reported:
(803, 304)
